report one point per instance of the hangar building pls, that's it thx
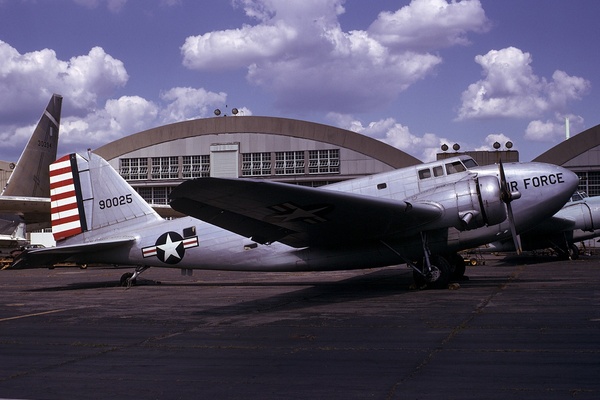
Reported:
(286, 150)
(580, 154)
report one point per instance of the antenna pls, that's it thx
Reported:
(567, 130)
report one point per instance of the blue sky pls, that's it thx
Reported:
(414, 74)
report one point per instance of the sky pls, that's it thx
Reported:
(414, 74)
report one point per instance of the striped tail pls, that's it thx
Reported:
(66, 203)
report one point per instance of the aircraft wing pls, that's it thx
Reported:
(295, 215)
(35, 210)
(41, 258)
(554, 224)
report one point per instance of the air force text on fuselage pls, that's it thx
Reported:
(538, 181)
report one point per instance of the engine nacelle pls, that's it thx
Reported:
(468, 204)
(492, 206)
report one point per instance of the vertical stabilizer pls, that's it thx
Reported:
(30, 176)
(89, 196)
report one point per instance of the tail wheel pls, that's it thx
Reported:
(126, 279)
(437, 278)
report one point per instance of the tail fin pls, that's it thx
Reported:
(30, 176)
(89, 197)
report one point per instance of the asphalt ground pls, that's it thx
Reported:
(526, 328)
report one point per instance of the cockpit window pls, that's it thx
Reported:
(453, 168)
(470, 163)
(438, 171)
(424, 173)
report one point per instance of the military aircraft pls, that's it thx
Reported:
(420, 215)
(25, 199)
(577, 221)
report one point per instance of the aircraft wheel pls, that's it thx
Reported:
(125, 278)
(573, 252)
(439, 276)
(457, 266)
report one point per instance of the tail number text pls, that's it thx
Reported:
(116, 201)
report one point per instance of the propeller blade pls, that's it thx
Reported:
(504, 192)
(513, 230)
(507, 197)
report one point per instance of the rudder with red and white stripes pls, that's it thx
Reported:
(67, 211)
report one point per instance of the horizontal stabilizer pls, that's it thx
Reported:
(34, 210)
(34, 258)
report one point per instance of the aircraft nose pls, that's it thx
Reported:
(562, 181)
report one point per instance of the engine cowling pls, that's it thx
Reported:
(492, 206)
(468, 204)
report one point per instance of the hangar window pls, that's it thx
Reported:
(589, 182)
(133, 168)
(154, 195)
(256, 164)
(289, 162)
(165, 168)
(195, 166)
(324, 161)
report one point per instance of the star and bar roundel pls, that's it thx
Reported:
(170, 247)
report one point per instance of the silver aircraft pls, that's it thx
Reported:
(577, 221)
(420, 215)
(25, 200)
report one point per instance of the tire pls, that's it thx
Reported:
(125, 277)
(440, 276)
(573, 252)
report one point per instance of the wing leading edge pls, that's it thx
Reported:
(295, 215)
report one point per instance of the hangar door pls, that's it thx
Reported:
(224, 160)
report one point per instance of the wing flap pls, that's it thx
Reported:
(298, 216)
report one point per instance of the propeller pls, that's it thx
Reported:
(507, 197)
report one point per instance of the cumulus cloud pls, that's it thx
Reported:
(299, 52)
(553, 130)
(446, 24)
(395, 134)
(500, 138)
(86, 82)
(130, 114)
(188, 103)
(31, 78)
(511, 89)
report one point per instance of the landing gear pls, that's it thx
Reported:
(434, 276)
(573, 251)
(432, 272)
(566, 250)
(128, 279)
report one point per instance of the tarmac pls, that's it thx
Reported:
(519, 328)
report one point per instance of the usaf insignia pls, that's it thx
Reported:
(170, 247)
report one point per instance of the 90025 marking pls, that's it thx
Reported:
(115, 201)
